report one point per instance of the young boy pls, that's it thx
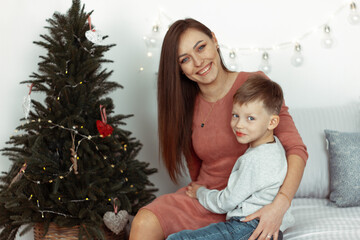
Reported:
(257, 175)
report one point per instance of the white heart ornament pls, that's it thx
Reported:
(116, 222)
(94, 36)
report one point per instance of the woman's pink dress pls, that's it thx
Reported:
(218, 149)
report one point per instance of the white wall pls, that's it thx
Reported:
(327, 77)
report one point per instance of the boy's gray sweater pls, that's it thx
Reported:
(254, 182)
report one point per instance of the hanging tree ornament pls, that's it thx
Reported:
(354, 16)
(93, 35)
(27, 102)
(102, 126)
(73, 154)
(19, 174)
(116, 220)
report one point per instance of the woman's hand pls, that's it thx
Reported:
(270, 217)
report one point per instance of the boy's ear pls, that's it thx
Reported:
(274, 122)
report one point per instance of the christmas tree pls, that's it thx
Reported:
(71, 163)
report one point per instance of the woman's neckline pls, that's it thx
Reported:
(221, 98)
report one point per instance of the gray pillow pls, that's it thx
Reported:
(344, 165)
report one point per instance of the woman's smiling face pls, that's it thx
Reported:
(198, 57)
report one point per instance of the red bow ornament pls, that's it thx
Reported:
(103, 128)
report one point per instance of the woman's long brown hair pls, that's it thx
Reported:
(176, 100)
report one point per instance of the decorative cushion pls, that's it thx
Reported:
(344, 165)
(311, 123)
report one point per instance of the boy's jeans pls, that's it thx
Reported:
(232, 229)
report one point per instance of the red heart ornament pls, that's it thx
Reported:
(103, 128)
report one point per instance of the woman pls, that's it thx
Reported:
(194, 106)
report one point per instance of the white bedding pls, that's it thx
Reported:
(323, 220)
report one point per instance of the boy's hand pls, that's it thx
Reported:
(191, 190)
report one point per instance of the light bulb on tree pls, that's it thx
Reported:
(327, 40)
(354, 16)
(297, 59)
(265, 65)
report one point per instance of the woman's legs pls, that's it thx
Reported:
(146, 226)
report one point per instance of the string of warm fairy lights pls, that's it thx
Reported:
(231, 54)
(68, 86)
(91, 51)
(74, 132)
(42, 211)
(61, 176)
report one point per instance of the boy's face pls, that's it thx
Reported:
(251, 123)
